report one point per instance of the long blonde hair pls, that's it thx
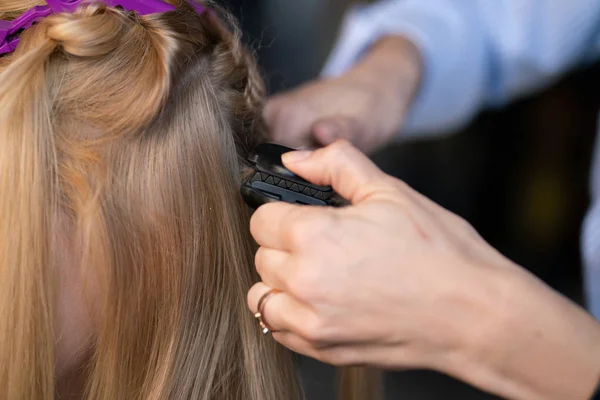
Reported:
(128, 131)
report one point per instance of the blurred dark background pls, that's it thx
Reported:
(519, 174)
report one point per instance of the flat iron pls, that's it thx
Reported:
(271, 181)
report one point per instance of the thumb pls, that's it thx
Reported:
(340, 165)
(327, 130)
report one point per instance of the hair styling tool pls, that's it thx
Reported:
(10, 30)
(271, 181)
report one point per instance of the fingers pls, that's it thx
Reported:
(338, 355)
(352, 354)
(273, 266)
(267, 224)
(296, 326)
(288, 121)
(281, 312)
(288, 227)
(341, 166)
(327, 130)
(298, 345)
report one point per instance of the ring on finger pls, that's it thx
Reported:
(260, 317)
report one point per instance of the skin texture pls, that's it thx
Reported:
(396, 281)
(365, 106)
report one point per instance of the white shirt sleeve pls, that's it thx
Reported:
(477, 53)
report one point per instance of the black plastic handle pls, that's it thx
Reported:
(272, 181)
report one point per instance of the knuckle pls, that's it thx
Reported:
(470, 230)
(259, 260)
(305, 283)
(395, 191)
(397, 184)
(303, 230)
(314, 330)
(397, 188)
(258, 220)
(251, 298)
(299, 234)
(463, 224)
(340, 148)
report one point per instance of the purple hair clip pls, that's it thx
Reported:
(9, 30)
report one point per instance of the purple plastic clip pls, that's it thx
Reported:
(200, 9)
(142, 7)
(9, 30)
(6, 45)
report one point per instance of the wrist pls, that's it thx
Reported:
(394, 62)
(392, 69)
(533, 343)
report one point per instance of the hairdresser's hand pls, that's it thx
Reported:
(366, 106)
(397, 281)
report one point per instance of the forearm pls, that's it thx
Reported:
(394, 67)
(477, 53)
(536, 344)
(391, 69)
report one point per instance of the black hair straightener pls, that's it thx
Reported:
(272, 181)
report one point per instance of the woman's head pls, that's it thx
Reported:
(122, 235)
(125, 255)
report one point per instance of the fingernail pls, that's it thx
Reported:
(296, 156)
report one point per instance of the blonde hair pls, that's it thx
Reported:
(128, 131)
